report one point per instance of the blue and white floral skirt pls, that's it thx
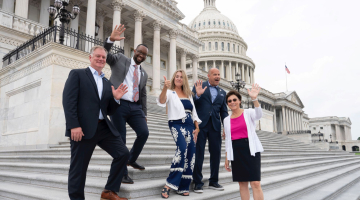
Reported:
(182, 166)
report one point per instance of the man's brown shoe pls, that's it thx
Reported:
(110, 195)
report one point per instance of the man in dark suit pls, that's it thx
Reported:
(88, 98)
(210, 105)
(133, 104)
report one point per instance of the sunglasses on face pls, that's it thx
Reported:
(234, 100)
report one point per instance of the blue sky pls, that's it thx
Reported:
(319, 41)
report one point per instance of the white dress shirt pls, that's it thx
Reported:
(129, 79)
(99, 83)
(250, 116)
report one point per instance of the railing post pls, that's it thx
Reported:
(77, 42)
(55, 30)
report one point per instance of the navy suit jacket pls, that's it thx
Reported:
(206, 109)
(82, 104)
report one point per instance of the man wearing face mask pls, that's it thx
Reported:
(210, 103)
(132, 108)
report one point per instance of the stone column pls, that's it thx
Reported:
(155, 89)
(292, 120)
(44, 14)
(183, 59)
(101, 16)
(206, 66)
(242, 72)
(22, 8)
(233, 72)
(301, 121)
(275, 124)
(222, 69)
(284, 120)
(139, 16)
(237, 69)
(338, 133)
(90, 18)
(74, 25)
(8, 5)
(214, 64)
(253, 75)
(172, 34)
(247, 74)
(288, 120)
(228, 72)
(195, 59)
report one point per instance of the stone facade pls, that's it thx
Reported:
(210, 40)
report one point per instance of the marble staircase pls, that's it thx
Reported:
(290, 170)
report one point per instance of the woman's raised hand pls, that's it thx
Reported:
(254, 91)
(167, 83)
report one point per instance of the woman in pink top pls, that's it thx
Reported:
(242, 145)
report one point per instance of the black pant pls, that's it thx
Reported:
(131, 113)
(81, 153)
(214, 147)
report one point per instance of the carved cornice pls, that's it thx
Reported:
(139, 15)
(195, 58)
(10, 41)
(170, 7)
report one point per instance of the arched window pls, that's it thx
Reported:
(343, 147)
(355, 148)
(222, 46)
(199, 24)
(238, 49)
(224, 23)
(216, 46)
(203, 47)
(228, 24)
(209, 23)
(234, 48)
(195, 26)
(209, 46)
(228, 46)
(204, 23)
(219, 23)
(214, 23)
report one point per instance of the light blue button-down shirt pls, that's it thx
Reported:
(213, 92)
(99, 83)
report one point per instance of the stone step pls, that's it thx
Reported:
(351, 193)
(15, 190)
(311, 182)
(152, 187)
(151, 172)
(232, 189)
(333, 189)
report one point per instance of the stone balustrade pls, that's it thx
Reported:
(10, 20)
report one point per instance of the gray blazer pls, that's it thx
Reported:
(119, 65)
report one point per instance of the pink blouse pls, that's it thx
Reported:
(238, 128)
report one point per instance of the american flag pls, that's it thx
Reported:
(287, 70)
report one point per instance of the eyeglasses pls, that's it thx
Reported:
(234, 100)
(141, 53)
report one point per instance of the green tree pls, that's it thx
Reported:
(358, 138)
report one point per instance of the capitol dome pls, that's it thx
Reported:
(211, 18)
(222, 47)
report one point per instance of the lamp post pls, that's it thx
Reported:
(239, 83)
(97, 27)
(58, 10)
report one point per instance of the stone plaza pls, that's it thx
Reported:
(304, 158)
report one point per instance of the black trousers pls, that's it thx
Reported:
(131, 113)
(214, 137)
(81, 153)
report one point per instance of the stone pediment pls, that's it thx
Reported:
(293, 97)
(169, 6)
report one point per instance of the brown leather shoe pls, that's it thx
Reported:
(110, 195)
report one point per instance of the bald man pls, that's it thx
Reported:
(210, 103)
